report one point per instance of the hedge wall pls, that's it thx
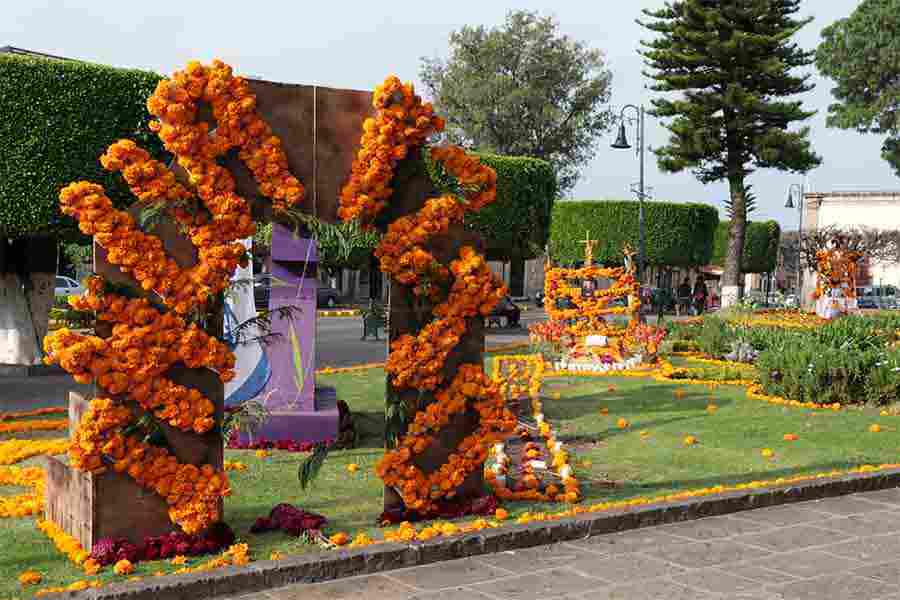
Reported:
(761, 240)
(676, 235)
(56, 118)
(517, 224)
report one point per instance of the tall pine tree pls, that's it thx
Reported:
(732, 62)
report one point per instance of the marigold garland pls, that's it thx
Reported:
(402, 124)
(531, 369)
(15, 450)
(37, 412)
(22, 505)
(145, 343)
(192, 492)
(36, 425)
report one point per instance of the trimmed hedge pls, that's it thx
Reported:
(56, 118)
(761, 240)
(517, 224)
(676, 235)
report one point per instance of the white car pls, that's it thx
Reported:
(66, 286)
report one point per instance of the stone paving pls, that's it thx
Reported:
(845, 548)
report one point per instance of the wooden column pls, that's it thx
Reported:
(409, 314)
(93, 506)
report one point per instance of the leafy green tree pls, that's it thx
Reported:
(344, 245)
(861, 54)
(732, 62)
(523, 89)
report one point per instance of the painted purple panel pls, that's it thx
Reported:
(287, 247)
(292, 357)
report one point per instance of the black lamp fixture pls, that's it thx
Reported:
(621, 142)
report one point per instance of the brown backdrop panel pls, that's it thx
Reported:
(339, 124)
(289, 111)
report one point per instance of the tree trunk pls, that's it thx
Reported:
(517, 277)
(731, 277)
(41, 294)
(18, 343)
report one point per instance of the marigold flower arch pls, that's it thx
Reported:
(146, 339)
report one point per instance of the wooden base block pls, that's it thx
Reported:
(90, 507)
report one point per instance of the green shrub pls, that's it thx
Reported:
(715, 337)
(761, 241)
(805, 368)
(676, 234)
(56, 118)
(517, 223)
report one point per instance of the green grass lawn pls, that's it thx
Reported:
(657, 462)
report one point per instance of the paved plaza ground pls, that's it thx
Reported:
(845, 548)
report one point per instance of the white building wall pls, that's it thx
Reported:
(878, 210)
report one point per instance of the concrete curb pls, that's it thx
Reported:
(339, 313)
(324, 566)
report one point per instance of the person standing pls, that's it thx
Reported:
(700, 295)
(683, 303)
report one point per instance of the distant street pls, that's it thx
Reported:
(338, 343)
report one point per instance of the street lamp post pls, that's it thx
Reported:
(621, 143)
(790, 204)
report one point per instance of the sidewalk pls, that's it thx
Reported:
(844, 548)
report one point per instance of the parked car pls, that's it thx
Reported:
(66, 286)
(262, 290)
(327, 296)
(507, 309)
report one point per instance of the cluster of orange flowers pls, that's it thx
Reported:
(64, 542)
(836, 268)
(35, 425)
(478, 181)
(144, 345)
(418, 361)
(142, 256)
(597, 305)
(192, 492)
(532, 369)
(29, 503)
(402, 123)
(420, 490)
(239, 125)
(213, 233)
(401, 253)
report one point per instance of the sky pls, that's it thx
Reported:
(353, 44)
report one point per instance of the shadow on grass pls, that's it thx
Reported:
(626, 403)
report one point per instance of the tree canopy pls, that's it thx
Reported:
(861, 53)
(732, 62)
(523, 89)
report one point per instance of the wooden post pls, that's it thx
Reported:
(94, 506)
(409, 314)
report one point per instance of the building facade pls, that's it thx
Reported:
(876, 210)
